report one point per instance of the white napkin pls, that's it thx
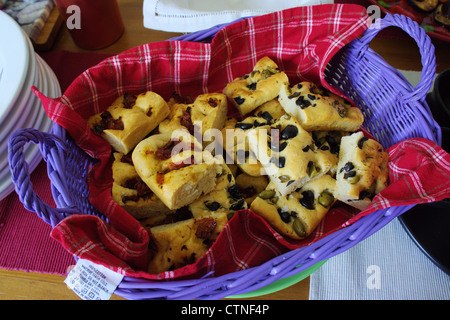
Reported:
(194, 15)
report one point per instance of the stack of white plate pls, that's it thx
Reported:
(20, 69)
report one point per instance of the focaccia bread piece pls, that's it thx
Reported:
(129, 119)
(329, 141)
(297, 214)
(225, 198)
(235, 144)
(181, 243)
(261, 85)
(288, 154)
(131, 193)
(270, 110)
(209, 110)
(166, 218)
(250, 186)
(318, 109)
(362, 170)
(175, 167)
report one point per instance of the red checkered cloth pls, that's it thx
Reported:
(301, 41)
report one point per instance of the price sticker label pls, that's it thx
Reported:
(91, 281)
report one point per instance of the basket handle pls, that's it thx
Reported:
(423, 41)
(48, 145)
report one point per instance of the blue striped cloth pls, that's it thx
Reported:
(386, 266)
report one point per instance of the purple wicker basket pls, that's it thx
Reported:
(393, 111)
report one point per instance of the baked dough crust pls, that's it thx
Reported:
(209, 110)
(295, 161)
(362, 171)
(180, 177)
(125, 193)
(183, 242)
(317, 109)
(281, 212)
(137, 119)
(261, 85)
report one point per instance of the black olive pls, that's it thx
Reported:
(361, 142)
(213, 206)
(281, 162)
(324, 148)
(306, 149)
(266, 115)
(229, 176)
(334, 146)
(258, 124)
(363, 194)
(289, 132)
(308, 199)
(349, 174)
(302, 103)
(244, 125)
(280, 147)
(284, 215)
(239, 100)
(238, 205)
(294, 95)
(347, 167)
(311, 96)
(252, 86)
(105, 115)
(234, 192)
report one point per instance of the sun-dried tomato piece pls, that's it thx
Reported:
(186, 120)
(205, 227)
(160, 178)
(163, 154)
(182, 99)
(126, 158)
(137, 184)
(212, 102)
(108, 122)
(129, 101)
(181, 164)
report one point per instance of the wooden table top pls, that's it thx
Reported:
(18, 285)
